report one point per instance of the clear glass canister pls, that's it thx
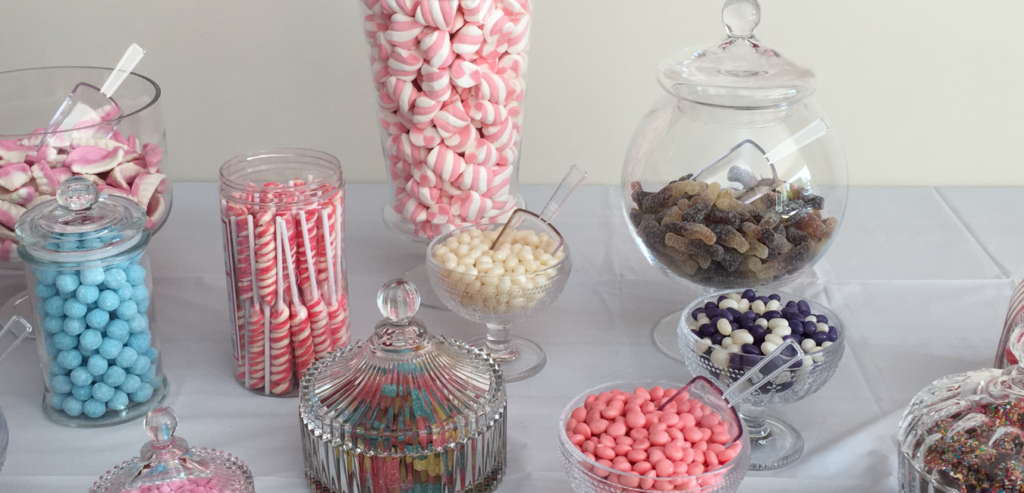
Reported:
(965, 432)
(450, 82)
(283, 214)
(130, 161)
(404, 411)
(90, 284)
(166, 463)
(734, 179)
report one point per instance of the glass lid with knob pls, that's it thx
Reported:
(965, 432)
(80, 225)
(167, 463)
(734, 179)
(415, 409)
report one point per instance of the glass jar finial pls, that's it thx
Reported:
(160, 424)
(398, 300)
(77, 193)
(741, 17)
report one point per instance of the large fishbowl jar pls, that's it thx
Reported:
(734, 179)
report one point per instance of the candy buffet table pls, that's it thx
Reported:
(920, 276)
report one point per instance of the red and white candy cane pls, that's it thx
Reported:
(314, 302)
(256, 351)
(281, 362)
(302, 340)
(266, 255)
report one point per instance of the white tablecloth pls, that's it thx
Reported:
(920, 276)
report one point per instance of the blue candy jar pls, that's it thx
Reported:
(90, 283)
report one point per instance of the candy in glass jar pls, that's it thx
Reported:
(90, 284)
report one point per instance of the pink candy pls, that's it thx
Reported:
(449, 80)
(626, 433)
(191, 485)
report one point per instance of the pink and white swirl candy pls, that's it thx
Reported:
(402, 92)
(451, 119)
(437, 13)
(476, 10)
(436, 46)
(467, 41)
(483, 153)
(435, 83)
(445, 163)
(403, 31)
(405, 64)
(425, 137)
(464, 74)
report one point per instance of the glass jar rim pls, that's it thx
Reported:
(434, 263)
(306, 193)
(156, 97)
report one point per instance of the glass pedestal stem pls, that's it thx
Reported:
(499, 343)
(754, 418)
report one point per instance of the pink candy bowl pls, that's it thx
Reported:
(588, 476)
(449, 78)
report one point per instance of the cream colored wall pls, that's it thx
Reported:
(923, 92)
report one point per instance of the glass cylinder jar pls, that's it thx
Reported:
(90, 289)
(283, 214)
(129, 162)
(450, 82)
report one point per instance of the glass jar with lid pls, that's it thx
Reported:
(404, 411)
(167, 463)
(965, 432)
(90, 285)
(734, 178)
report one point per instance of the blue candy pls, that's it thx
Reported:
(127, 310)
(140, 341)
(97, 365)
(87, 294)
(61, 384)
(131, 384)
(90, 340)
(81, 376)
(124, 292)
(67, 283)
(46, 276)
(143, 305)
(138, 323)
(150, 353)
(82, 392)
(97, 318)
(87, 352)
(149, 375)
(136, 274)
(67, 245)
(140, 293)
(92, 244)
(57, 401)
(56, 369)
(110, 348)
(70, 359)
(127, 358)
(118, 329)
(74, 326)
(75, 309)
(92, 276)
(141, 365)
(44, 291)
(94, 408)
(102, 392)
(50, 348)
(72, 406)
(143, 394)
(115, 278)
(53, 324)
(119, 401)
(114, 376)
(64, 341)
(54, 306)
(108, 300)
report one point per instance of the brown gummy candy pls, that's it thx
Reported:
(703, 261)
(686, 264)
(813, 201)
(652, 233)
(636, 217)
(728, 218)
(672, 214)
(729, 237)
(731, 259)
(756, 248)
(831, 223)
(811, 224)
(693, 231)
(657, 201)
(780, 233)
(700, 206)
(770, 220)
(694, 247)
(795, 236)
(787, 263)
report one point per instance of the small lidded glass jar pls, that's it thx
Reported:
(90, 285)
(166, 463)
(404, 411)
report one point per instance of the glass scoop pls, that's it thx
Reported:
(522, 219)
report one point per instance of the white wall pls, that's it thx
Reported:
(923, 92)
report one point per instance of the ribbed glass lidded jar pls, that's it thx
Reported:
(403, 411)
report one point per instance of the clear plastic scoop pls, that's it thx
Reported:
(524, 219)
(7, 328)
(756, 187)
(88, 105)
(739, 389)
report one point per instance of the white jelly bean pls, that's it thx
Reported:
(782, 330)
(727, 303)
(778, 322)
(774, 339)
(734, 297)
(735, 348)
(757, 306)
(742, 337)
(720, 357)
(810, 318)
(724, 327)
(808, 345)
(825, 344)
(762, 322)
(703, 345)
(773, 305)
(702, 319)
(726, 342)
(743, 305)
(768, 347)
(821, 327)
